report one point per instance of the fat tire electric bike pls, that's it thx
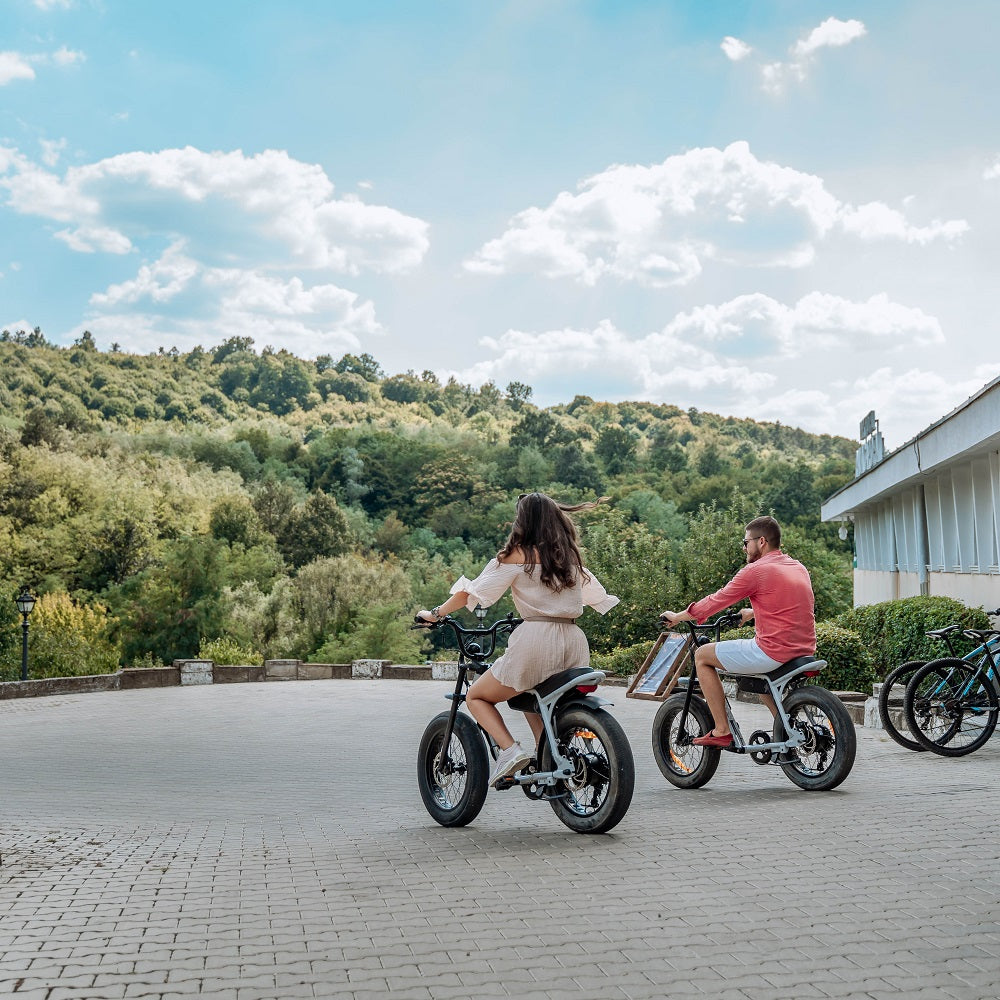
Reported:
(583, 765)
(814, 742)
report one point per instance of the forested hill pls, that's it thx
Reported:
(282, 505)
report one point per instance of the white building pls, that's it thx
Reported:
(926, 515)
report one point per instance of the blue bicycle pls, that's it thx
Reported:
(952, 705)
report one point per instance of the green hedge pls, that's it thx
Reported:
(849, 661)
(622, 662)
(893, 631)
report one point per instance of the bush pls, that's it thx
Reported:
(848, 657)
(849, 661)
(227, 652)
(65, 639)
(893, 631)
(622, 662)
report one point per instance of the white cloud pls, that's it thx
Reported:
(735, 48)
(14, 66)
(176, 299)
(659, 225)
(832, 33)
(992, 172)
(68, 57)
(267, 198)
(51, 150)
(794, 363)
(246, 236)
(53, 4)
(88, 239)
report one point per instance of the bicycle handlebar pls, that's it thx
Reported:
(728, 619)
(466, 637)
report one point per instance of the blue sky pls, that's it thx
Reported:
(781, 210)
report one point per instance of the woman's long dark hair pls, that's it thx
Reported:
(546, 535)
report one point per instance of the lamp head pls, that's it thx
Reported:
(25, 602)
(843, 532)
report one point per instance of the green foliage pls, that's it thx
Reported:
(894, 631)
(634, 564)
(623, 661)
(227, 652)
(380, 632)
(849, 659)
(269, 501)
(65, 639)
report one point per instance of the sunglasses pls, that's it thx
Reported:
(747, 541)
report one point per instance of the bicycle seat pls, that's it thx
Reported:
(982, 634)
(525, 701)
(940, 633)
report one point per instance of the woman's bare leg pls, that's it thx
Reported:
(482, 701)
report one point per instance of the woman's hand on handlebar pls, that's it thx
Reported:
(426, 619)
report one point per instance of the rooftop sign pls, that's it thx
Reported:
(872, 449)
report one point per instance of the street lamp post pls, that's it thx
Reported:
(25, 602)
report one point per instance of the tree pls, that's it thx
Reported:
(616, 447)
(378, 633)
(234, 520)
(69, 639)
(165, 610)
(535, 429)
(572, 466)
(364, 365)
(317, 528)
(518, 394)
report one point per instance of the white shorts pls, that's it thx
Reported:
(743, 656)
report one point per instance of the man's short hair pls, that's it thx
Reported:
(768, 528)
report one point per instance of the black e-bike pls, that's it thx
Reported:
(583, 765)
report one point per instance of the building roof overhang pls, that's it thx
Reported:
(970, 429)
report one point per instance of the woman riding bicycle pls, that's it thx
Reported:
(541, 564)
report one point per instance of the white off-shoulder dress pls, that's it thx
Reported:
(539, 648)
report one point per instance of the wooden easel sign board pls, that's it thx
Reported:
(658, 674)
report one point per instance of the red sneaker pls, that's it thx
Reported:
(711, 740)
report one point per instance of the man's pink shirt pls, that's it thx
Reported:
(781, 595)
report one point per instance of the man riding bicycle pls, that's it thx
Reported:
(781, 602)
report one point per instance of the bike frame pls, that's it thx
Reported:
(472, 656)
(775, 682)
(986, 666)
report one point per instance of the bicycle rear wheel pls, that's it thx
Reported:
(951, 707)
(890, 704)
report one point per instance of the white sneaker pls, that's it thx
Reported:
(508, 761)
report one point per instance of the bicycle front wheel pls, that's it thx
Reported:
(890, 704)
(681, 762)
(453, 780)
(951, 707)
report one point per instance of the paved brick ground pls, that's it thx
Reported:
(267, 841)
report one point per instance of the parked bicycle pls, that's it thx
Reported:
(813, 742)
(951, 705)
(892, 693)
(583, 765)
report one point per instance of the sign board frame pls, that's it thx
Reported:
(659, 672)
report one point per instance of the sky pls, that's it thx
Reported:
(778, 210)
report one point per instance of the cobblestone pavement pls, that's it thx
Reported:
(262, 841)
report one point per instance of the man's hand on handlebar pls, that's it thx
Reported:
(671, 618)
(746, 615)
